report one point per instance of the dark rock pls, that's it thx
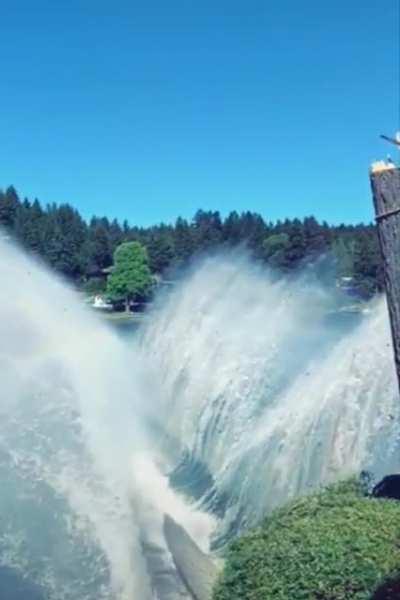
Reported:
(388, 591)
(389, 487)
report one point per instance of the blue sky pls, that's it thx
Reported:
(153, 109)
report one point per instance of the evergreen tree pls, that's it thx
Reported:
(98, 247)
(66, 241)
(368, 263)
(115, 234)
(161, 252)
(253, 232)
(62, 238)
(231, 229)
(183, 241)
(207, 230)
(297, 248)
(315, 238)
(29, 226)
(9, 205)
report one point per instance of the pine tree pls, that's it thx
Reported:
(161, 251)
(9, 205)
(184, 243)
(99, 248)
(29, 226)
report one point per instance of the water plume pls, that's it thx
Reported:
(72, 417)
(268, 388)
(242, 390)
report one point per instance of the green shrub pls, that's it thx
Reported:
(95, 285)
(337, 544)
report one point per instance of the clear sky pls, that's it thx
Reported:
(152, 109)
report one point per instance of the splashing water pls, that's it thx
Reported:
(263, 396)
(74, 512)
(238, 386)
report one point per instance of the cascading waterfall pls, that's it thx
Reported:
(264, 394)
(240, 386)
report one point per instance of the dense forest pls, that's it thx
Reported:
(81, 251)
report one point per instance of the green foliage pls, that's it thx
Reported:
(78, 250)
(207, 230)
(94, 286)
(29, 226)
(274, 247)
(9, 204)
(183, 241)
(131, 276)
(161, 252)
(344, 251)
(337, 544)
(65, 241)
(99, 247)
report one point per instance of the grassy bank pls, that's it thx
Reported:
(334, 545)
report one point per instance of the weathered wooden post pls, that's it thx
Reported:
(385, 183)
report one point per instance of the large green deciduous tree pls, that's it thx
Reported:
(131, 276)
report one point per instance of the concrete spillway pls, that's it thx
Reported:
(165, 580)
(197, 570)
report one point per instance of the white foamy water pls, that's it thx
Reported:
(238, 384)
(77, 499)
(265, 392)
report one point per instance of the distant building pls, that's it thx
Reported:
(100, 303)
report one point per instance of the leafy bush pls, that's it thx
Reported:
(337, 544)
(95, 285)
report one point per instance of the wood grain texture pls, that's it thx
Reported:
(386, 194)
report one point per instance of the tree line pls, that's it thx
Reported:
(81, 250)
